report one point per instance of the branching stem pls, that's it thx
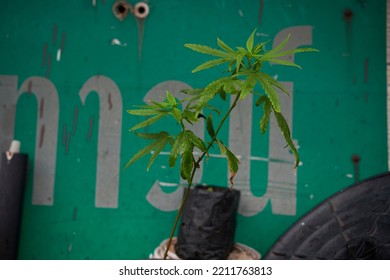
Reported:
(193, 172)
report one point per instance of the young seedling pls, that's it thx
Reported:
(243, 73)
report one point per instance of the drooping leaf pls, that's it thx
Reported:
(229, 85)
(250, 41)
(210, 126)
(148, 121)
(213, 108)
(210, 64)
(187, 164)
(274, 82)
(189, 116)
(270, 91)
(248, 84)
(287, 136)
(233, 161)
(207, 50)
(221, 147)
(266, 116)
(176, 149)
(196, 140)
(225, 83)
(222, 94)
(161, 143)
(261, 99)
(163, 138)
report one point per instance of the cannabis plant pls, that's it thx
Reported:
(243, 76)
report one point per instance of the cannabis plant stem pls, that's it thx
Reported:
(196, 166)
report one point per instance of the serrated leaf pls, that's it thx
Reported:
(259, 47)
(176, 113)
(229, 85)
(148, 121)
(176, 148)
(248, 84)
(222, 94)
(213, 108)
(288, 52)
(239, 59)
(144, 112)
(152, 135)
(196, 140)
(274, 82)
(170, 98)
(192, 91)
(187, 164)
(284, 62)
(261, 100)
(279, 47)
(162, 105)
(266, 116)
(146, 150)
(233, 161)
(212, 89)
(210, 64)
(210, 127)
(250, 41)
(270, 91)
(231, 64)
(207, 50)
(287, 136)
(190, 116)
(224, 46)
(160, 144)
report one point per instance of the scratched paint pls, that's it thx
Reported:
(63, 39)
(44, 55)
(41, 104)
(41, 136)
(261, 9)
(48, 68)
(75, 120)
(55, 30)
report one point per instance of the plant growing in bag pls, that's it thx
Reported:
(242, 77)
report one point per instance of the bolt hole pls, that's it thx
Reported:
(141, 10)
(120, 9)
(348, 14)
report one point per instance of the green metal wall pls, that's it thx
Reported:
(69, 70)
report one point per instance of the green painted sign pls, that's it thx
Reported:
(70, 70)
